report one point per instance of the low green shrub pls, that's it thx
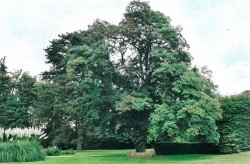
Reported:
(22, 151)
(185, 148)
(70, 151)
(53, 151)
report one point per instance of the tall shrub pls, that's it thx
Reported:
(234, 129)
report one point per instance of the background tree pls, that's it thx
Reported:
(90, 72)
(16, 97)
(52, 110)
(83, 78)
(25, 85)
(49, 114)
(5, 95)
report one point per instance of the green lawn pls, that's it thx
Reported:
(120, 156)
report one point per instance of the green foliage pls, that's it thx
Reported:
(69, 151)
(192, 116)
(133, 116)
(151, 57)
(5, 95)
(234, 128)
(49, 111)
(185, 148)
(16, 97)
(21, 151)
(162, 121)
(80, 88)
(53, 151)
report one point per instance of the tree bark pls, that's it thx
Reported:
(140, 144)
(78, 145)
(140, 147)
(79, 136)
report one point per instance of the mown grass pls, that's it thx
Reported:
(120, 157)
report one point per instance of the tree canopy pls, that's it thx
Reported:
(129, 75)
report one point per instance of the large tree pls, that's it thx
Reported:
(156, 81)
(131, 70)
(152, 57)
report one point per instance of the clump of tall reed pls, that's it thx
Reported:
(21, 145)
(20, 133)
(21, 151)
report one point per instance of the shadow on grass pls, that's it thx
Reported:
(109, 156)
(185, 157)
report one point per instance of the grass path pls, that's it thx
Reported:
(120, 157)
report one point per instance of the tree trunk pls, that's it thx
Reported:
(141, 132)
(141, 146)
(79, 136)
(78, 145)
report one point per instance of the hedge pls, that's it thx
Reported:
(234, 129)
(185, 148)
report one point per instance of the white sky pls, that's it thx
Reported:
(218, 32)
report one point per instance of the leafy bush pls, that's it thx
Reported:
(185, 148)
(53, 151)
(23, 151)
(70, 151)
(234, 129)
